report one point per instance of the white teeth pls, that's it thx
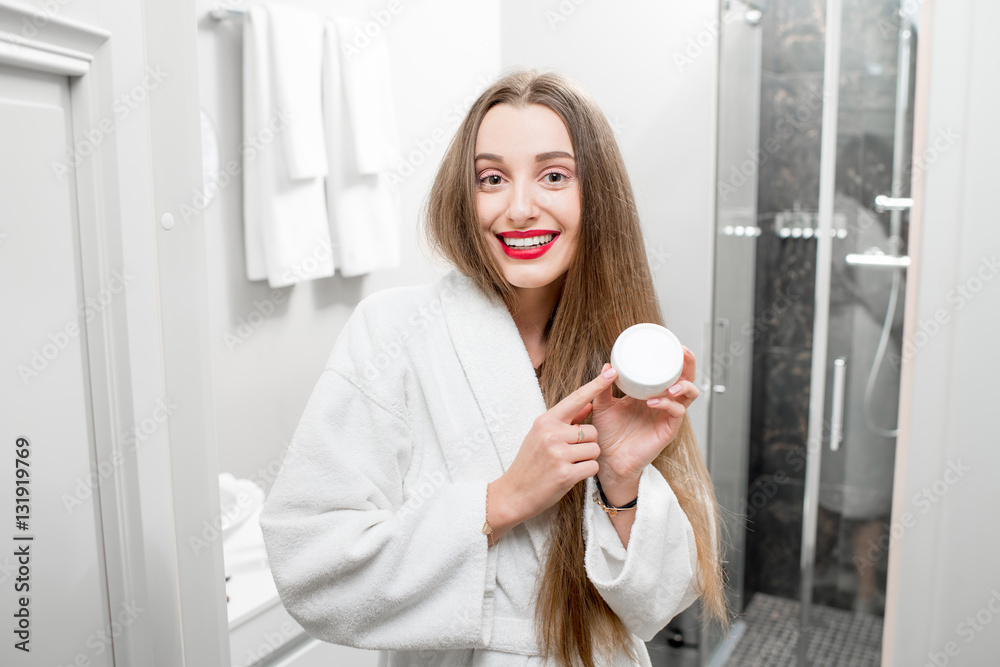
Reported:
(528, 242)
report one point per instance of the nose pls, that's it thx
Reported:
(522, 208)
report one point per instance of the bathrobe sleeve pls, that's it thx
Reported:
(654, 580)
(362, 554)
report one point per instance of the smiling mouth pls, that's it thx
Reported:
(528, 242)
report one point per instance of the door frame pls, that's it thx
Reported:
(174, 135)
(821, 319)
(79, 51)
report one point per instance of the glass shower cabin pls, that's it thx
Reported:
(814, 165)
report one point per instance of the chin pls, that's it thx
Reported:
(533, 277)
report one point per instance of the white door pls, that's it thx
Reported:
(53, 583)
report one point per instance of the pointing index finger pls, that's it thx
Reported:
(688, 370)
(570, 406)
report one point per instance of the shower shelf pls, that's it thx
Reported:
(878, 260)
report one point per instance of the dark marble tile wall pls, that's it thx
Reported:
(791, 120)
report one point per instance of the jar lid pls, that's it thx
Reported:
(648, 358)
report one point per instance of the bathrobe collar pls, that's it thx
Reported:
(499, 371)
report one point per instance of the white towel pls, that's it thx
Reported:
(361, 145)
(287, 232)
(367, 86)
(296, 59)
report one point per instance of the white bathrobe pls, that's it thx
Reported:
(373, 526)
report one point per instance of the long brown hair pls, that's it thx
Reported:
(607, 288)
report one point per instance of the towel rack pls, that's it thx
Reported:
(226, 14)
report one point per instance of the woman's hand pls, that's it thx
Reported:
(550, 461)
(631, 433)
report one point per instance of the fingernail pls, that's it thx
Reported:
(652, 401)
(676, 389)
(609, 372)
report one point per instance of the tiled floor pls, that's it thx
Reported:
(838, 638)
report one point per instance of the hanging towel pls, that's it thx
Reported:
(368, 92)
(297, 36)
(361, 146)
(286, 228)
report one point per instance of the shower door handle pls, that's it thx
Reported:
(837, 409)
(886, 203)
(719, 383)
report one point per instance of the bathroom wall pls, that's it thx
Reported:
(944, 586)
(652, 67)
(269, 346)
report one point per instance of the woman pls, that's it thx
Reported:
(483, 404)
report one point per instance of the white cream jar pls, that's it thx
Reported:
(648, 359)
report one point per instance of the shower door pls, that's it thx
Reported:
(810, 268)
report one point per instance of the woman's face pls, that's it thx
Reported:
(527, 193)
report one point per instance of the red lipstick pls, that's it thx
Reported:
(527, 253)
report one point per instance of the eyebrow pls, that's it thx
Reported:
(541, 157)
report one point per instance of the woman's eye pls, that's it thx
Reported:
(555, 177)
(491, 180)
